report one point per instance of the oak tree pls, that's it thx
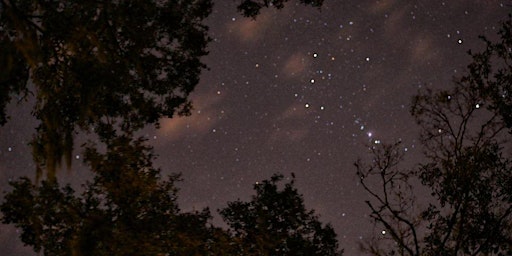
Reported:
(94, 63)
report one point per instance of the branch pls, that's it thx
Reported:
(384, 161)
(18, 15)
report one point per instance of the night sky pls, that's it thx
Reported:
(297, 90)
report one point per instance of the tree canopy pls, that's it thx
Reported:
(94, 64)
(275, 222)
(127, 209)
(109, 69)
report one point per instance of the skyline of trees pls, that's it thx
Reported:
(113, 68)
(108, 69)
(130, 209)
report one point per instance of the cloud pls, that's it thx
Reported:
(293, 112)
(423, 49)
(290, 127)
(203, 118)
(383, 6)
(250, 29)
(295, 64)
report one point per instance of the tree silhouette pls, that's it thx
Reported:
(491, 73)
(467, 169)
(98, 63)
(251, 8)
(276, 222)
(107, 69)
(95, 63)
(127, 209)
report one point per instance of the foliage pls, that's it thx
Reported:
(126, 210)
(491, 73)
(276, 222)
(467, 169)
(92, 63)
(251, 8)
(110, 68)
(95, 63)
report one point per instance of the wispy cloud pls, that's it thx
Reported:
(202, 120)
